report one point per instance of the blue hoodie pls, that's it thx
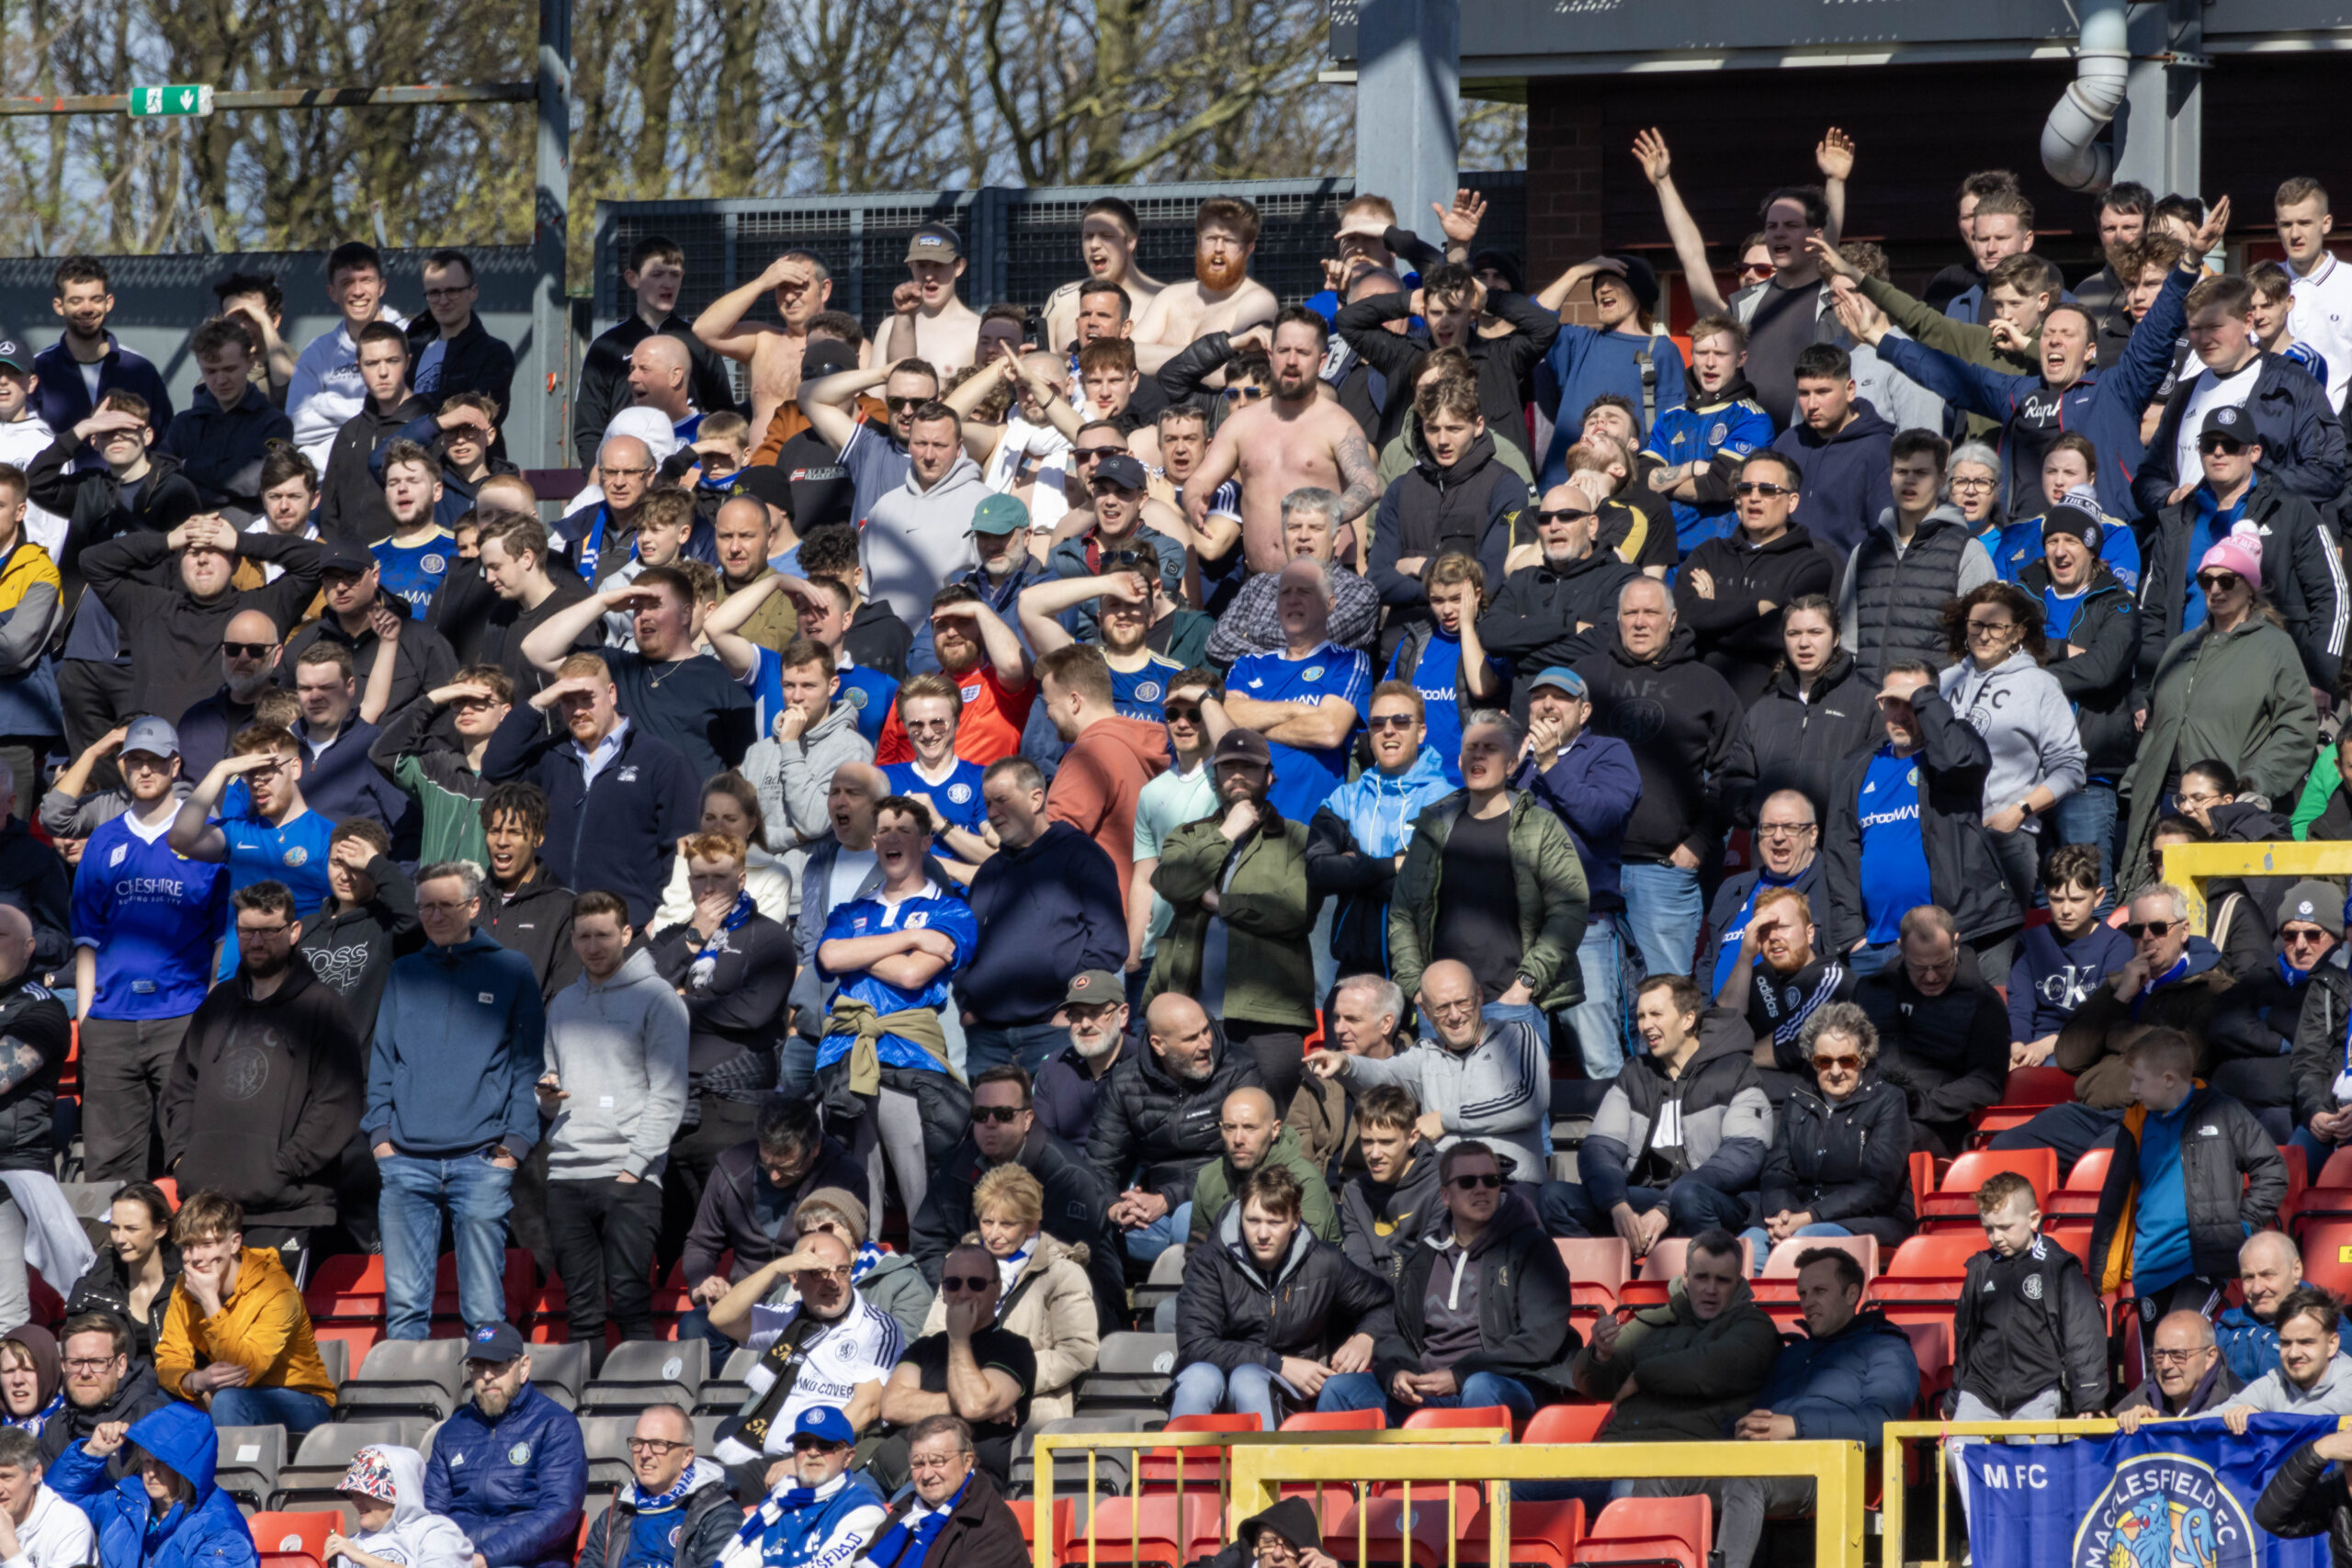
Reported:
(1846, 484)
(460, 1039)
(2052, 977)
(206, 1532)
(1591, 786)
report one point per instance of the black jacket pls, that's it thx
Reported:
(604, 378)
(2320, 1028)
(1899, 596)
(422, 659)
(2309, 1496)
(1717, 1102)
(1847, 1164)
(1803, 743)
(1948, 1053)
(2302, 445)
(482, 629)
(878, 640)
(2101, 680)
(2231, 1177)
(728, 1217)
(352, 948)
(33, 877)
(620, 834)
(105, 1287)
(473, 361)
(1524, 1332)
(1153, 1131)
(138, 1394)
(1230, 1313)
(536, 921)
(220, 451)
(1382, 1222)
(29, 1014)
(1736, 638)
(2302, 575)
(264, 1097)
(2026, 1324)
(1471, 509)
(740, 1004)
(351, 493)
(174, 638)
(1541, 616)
(1078, 1201)
(1502, 364)
(1684, 723)
(1962, 872)
(91, 504)
(1360, 886)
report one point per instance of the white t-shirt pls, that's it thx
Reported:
(2323, 318)
(20, 443)
(2206, 393)
(860, 1346)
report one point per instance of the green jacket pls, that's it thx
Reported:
(1546, 872)
(1268, 915)
(1963, 340)
(1696, 1378)
(1213, 1188)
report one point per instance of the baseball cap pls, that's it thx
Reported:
(2230, 421)
(1562, 679)
(14, 355)
(494, 1342)
(1123, 470)
(1094, 985)
(1000, 514)
(825, 1422)
(153, 736)
(1239, 745)
(765, 481)
(826, 356)
(934, 242)
(344, 555)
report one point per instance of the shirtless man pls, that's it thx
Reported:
(928, 321)
(801, 287)
(1108, 233)
(1293, 440)
(1220, 297)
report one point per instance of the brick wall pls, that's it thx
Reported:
(1564, 181)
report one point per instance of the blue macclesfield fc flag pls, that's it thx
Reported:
(2178, 1495)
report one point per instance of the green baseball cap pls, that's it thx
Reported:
(1000, 514)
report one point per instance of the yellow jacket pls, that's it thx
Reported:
(262, 1327)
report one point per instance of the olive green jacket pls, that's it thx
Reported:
(1268, 915)
(1547, 873)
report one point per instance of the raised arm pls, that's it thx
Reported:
(376, 696)
(1835, 158)
(830, 402)
(1657, 163)
(550, 643)
(1041, 607)
(194, 833)
(720, 328)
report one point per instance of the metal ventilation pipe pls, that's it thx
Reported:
(2071, 150)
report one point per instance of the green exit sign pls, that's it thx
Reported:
(182, 99)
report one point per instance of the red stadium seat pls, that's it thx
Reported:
(1065, 1521)
(347, 1288)
(2029, 1091)
(1663, 1265)
(1383, 1520)
(1150, 1532)
(2079, 1198)
(1678, 1530)
(1203, 1466)
(1598, 1268)
(1923, 1178)
(1928, 1269)
(1543, 1535)
(1777, 1283)
(1566, 1424)
(1953, 1206)
(2327, 1254)
(1336, 1421)
(1460, 1417)
(1932, 1344)
(304, 1532)
(2337, 1171)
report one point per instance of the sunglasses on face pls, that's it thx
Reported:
(2300, 938)
(2218, 581)
(1756, 269)
(1836, 1064)
(2225, 446)
(1757, 486)
(1243, 394)
(901, 405)
(1002, 1115)
(1389, 721)
(246, 649)
(1096, 454)
(1188, 712)
(802, 1443)
(1488, 1180)
(1565, 515)
(975, 1283)
(2135, 930)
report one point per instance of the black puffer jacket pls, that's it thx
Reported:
(1962, 873)
(1154, 1131)
(1231, 1315)
(1686, 726)
(1803, 740)
(728, 1218)
(2101, 680)
(1534, 619)
(737, 1005)
(1523, 1297)
(2309, 1496)
(1847, 1164)
(1948, 1053)
(1428, 511)
(107, 1288)
(2320, 1053)
(1734, 639)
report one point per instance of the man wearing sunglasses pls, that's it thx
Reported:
(2301, 575)
(1732, 590)
(1559, 591)
(817, 1510)
(678, 1511)
(876, 456)
(972, 1368)
(2253, 1024)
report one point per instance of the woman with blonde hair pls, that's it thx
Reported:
(1046, 1297)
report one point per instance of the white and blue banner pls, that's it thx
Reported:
(2175, 1494)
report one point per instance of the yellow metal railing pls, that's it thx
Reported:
(1224, 1465)
(2189, 866)
(1897, 1433)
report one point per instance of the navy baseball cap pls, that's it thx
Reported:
(499, 1342)
(822, 1421)
(1123, 470)
(2230, 421)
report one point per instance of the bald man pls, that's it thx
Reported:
(2185, 1373)
(2269, 1267)
(34, 1035)
(742, 536)
(1159, 1121)
(250, 653)
(601, 536)
(1255, 1136)
(659, 373)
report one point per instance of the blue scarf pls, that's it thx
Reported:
(664, 1501)
(593, 544)
(869, 1256)
(743, 910)
(2179, 968)
(892, 1547)
(32, 1424)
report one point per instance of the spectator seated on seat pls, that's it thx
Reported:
(1285, 1536)
(1386, 1208)
(2028, 1343)
(1270, 1314)
(2252, 1031)
(1694, 1365)
(832, 1348)
(30, 1396)
(105, 1379)
(38, 1528)
(1851, 1374)
(677, 1511)
(1943, 1036)
(788, 1157)
(508, 1465)
(385, 1486)
(2314, 1376)
(1255, 1138)
(1362, 1019)
(2059, 964)
(1047, 1297)
(2187, 1375)
(1482, 1306)
(1779, 980)
(954, 1518)
(2269, 1266)
(1156, 1124)
(237, 1339)
(165, 1512)
(134, 1272)
(891, 1280)
(818, 1510)
(1841, 1159)
(971, 1367)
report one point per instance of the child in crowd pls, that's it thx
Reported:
(2060, 964)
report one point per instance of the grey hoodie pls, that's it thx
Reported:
(2331, 1395)
(792, 780)
(914, 540)
(618, 1051)
(1499, 1091)
(2027, 724)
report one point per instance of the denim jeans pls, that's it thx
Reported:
(1662, 910)
(2087, 816)
(1204, 1386)
(1362, 1391)
(1171, 1229)
(1691, 1206)
(1031, 1045)
(292, 1408)
(795, 1068)
(476, 1194)
(1760, 1240)
(1599, 1020)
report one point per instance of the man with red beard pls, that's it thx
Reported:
(1221, 298)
